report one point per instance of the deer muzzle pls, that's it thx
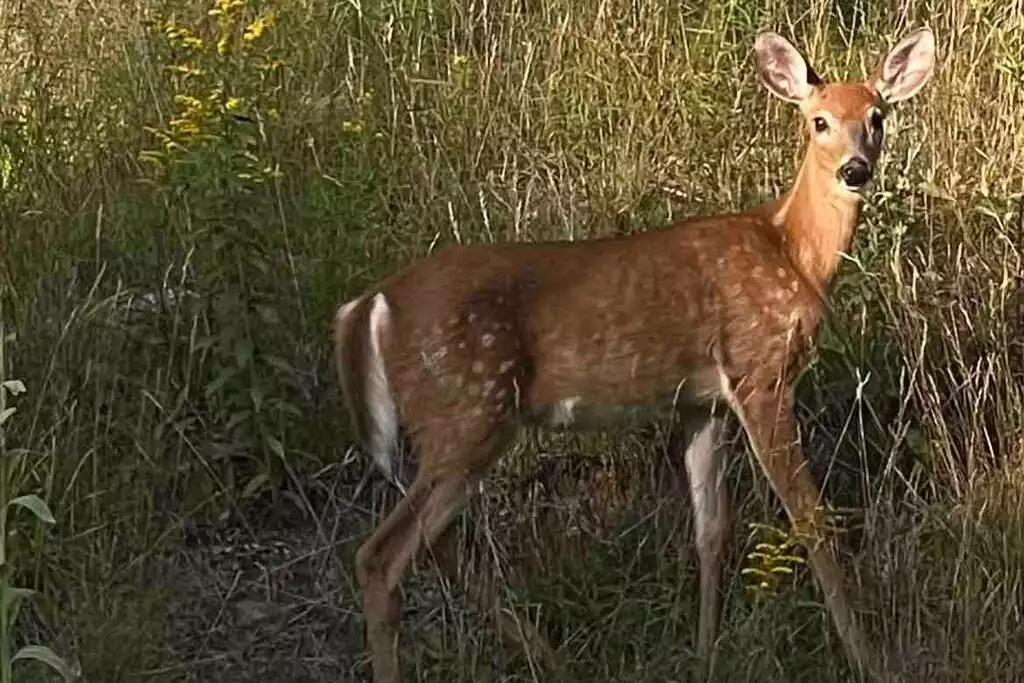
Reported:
(855, 173)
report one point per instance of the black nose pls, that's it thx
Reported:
(855, 173)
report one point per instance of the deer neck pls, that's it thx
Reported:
(817, 220)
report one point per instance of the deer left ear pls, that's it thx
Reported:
(907, 67)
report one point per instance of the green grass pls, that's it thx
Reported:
(383, 130)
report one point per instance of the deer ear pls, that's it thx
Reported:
(907, 67)
(783, 70)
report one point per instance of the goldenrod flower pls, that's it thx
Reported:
(254, 30)
(187, 70)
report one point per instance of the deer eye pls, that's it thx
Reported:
(820, 125)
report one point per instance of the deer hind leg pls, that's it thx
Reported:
(704, 457)
(767, 418)
(482, 592)
(452, 460)
(515, 633)
(428, 507)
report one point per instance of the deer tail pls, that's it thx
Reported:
(362, 328)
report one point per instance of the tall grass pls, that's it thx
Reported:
(188, 189)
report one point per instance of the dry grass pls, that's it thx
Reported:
(388, 128)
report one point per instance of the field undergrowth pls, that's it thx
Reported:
(188, 190)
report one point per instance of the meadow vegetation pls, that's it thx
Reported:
(188, 189)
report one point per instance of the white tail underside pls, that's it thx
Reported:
(381, 411)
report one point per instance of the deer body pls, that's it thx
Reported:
(587, 335)
(458, 350)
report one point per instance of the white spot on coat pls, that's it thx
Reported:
(562, 413)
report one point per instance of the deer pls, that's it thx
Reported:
(459, 350)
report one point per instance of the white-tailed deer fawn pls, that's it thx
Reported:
(459, 349)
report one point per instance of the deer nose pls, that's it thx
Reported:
(855, 173)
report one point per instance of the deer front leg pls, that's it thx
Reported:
(767, 418)
(704, 457)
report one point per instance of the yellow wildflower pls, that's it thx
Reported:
(254, 30)
(187, 70)
(354, 126)
(184, 126)
(188, 102)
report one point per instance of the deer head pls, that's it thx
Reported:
(845, 121)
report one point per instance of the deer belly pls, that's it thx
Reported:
(575, 414)
(606, 408)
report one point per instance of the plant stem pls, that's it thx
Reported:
(5, 635)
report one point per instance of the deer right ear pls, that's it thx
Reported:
(783, 70)
(907, 67)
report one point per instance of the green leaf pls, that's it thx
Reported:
(257, 398)
(219, 381)
(254, 485)
(36, 506)
(10, 596)
(286, 407)
(279, 363)
(43, 654)
(276, 446)
(238, 418)
(15, 386)
(243, 351)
